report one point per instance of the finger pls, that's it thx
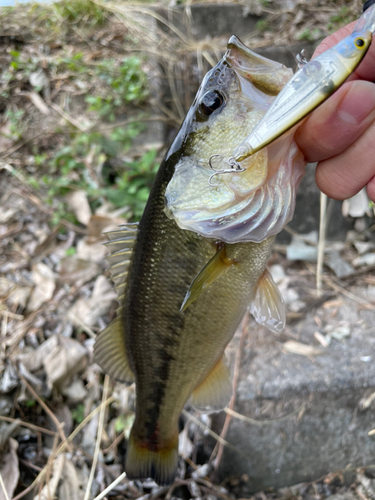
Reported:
(339, 122)
(371, 189)
(344, 175)
(366, 70)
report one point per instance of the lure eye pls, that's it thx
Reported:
(210, 102)
(359, 43)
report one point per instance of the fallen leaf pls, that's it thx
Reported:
(77, 201)
(98, 223)
(88, 311)
(91, 249)
(77, 271)
(33, 360)
(70, 486)
(67, 359)
(49, 489)
(44, 279)
(75, 392)
(9, 469)
(303, 349)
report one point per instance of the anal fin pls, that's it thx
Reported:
(215, 392)
(268, 305)
(215, 267)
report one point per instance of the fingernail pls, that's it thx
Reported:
(357, 104)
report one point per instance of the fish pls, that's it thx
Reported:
(197, 261)
(310, 87)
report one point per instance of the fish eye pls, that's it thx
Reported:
(359, 43)
(210, 102)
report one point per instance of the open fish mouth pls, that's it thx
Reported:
(214, 199)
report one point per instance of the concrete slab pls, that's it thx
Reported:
(307, 416)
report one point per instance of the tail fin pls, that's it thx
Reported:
(160, 465)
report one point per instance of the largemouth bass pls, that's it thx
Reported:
(183, 292)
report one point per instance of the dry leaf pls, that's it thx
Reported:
(92, 249)
(99, 223)
(70, 486)
(68, 358)
(49, 489)
(9, 469)
(33, 360)
(77, 201)
(44, 280)
(302, 349)
(88, 311)
(322, 339)
(77, 271)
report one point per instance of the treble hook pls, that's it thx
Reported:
(233, 164)
(301, 59)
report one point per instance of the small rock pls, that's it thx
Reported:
(363, 246)
(300, 250)
(338, 265)
(365, 260)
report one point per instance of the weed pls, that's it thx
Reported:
(262, 25)
(309, 35)
(78, 413)
(81, 11)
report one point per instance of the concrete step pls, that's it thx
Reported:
(306, 416)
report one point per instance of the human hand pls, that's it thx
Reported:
(340, 134)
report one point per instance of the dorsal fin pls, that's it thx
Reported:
(109, 350)
(120, 244)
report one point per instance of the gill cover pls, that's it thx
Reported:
(244, 206)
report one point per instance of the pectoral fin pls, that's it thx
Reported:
(268, 305)
(216, 267)
(215, 392)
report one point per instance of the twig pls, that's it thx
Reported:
(23, 143)
(62, 447)
(26, 424)
(67, 117)
(233, 399)
(322, 237)
(3, 488)
(79, 427)
(261, 423)
(212, 433)
(98, 438)
(111, 486)
(340, 289)
(58, 424)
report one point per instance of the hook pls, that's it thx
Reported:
(233, 164)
